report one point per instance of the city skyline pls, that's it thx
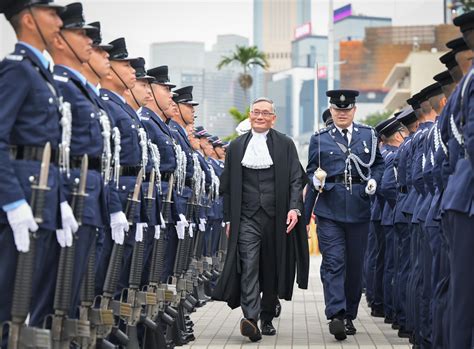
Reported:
(197, 20)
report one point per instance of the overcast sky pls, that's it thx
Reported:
(145, 21)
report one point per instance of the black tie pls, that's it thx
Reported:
(344, 134)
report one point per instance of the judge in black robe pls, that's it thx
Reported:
(259, 204)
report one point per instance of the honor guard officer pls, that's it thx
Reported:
(82, 181)
(459, 203)
(181, 118)
(218, 166)
(345, 165)
(327, 118)
(206, 215)
(138, 97)
(30, 138)
(133, 154)
(392, 134)
(407, 118)
(154, 119)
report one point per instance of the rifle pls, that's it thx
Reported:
(107, 304)
(168, 201)
(21, 336)
(63, 329)
(157, 311)
(149, 199)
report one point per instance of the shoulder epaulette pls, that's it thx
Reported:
(362, 126)
(324, 129)
(16, 58)
(61, 78)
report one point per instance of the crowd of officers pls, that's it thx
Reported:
(419, 260)
(111, 221)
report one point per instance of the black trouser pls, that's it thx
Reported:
(258, 258)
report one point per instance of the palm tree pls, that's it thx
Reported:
(246, 57)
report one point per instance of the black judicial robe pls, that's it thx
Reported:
(292, 252)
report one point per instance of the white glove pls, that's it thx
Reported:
(157, 232)
(180, 229)
(191, 229)
(317, 183)
(119, 225)
(371, 187)
(139, 231)
(21, 221)
(202, 224)
(69, 225)
(64, 239)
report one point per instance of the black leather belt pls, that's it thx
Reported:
(94, 163)
(165, 176)
(130, 170)
(342, 179)
(403, 189)
(31, 153)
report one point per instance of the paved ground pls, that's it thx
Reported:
(302, 324)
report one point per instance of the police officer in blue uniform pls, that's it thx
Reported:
(458, 204)
(348, 154)
(30, 116)
(155, 120)
(409, 119)
(218, 167)
(133, 155)
(392, 134)
(70, 51)
(182, 117)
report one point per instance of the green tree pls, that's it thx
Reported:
(246, 57)
(238, 117)
(374, 118)
(467, 5)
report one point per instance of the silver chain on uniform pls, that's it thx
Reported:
(116, 137)
(358, 161)
(144, 148)
(107, 150)
(156, 161)
(66, 126)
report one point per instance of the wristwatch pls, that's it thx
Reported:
(298, 212)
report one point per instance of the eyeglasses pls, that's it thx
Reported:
(264, 113)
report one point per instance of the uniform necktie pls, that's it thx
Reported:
(344, 134)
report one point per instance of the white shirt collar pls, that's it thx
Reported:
(349, 129)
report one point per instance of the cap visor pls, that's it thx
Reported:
(104, 47)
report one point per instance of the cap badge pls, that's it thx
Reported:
(342, 98)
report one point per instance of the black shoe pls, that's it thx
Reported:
(388, 320)
(395, 325)
(278, 310)
(377, 312)
(403, 333)
(337, 329)
(249, 328)
(268, 329)
(350, 328)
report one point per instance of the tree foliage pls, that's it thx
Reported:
(246, 57)
(374, 118)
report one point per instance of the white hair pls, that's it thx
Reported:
(264, 99)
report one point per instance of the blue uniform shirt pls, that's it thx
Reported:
(336, 202)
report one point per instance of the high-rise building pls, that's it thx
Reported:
(274, 25)
(274, 28)
(216, 90)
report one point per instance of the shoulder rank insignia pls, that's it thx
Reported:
(61, 78)
(16, 58)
